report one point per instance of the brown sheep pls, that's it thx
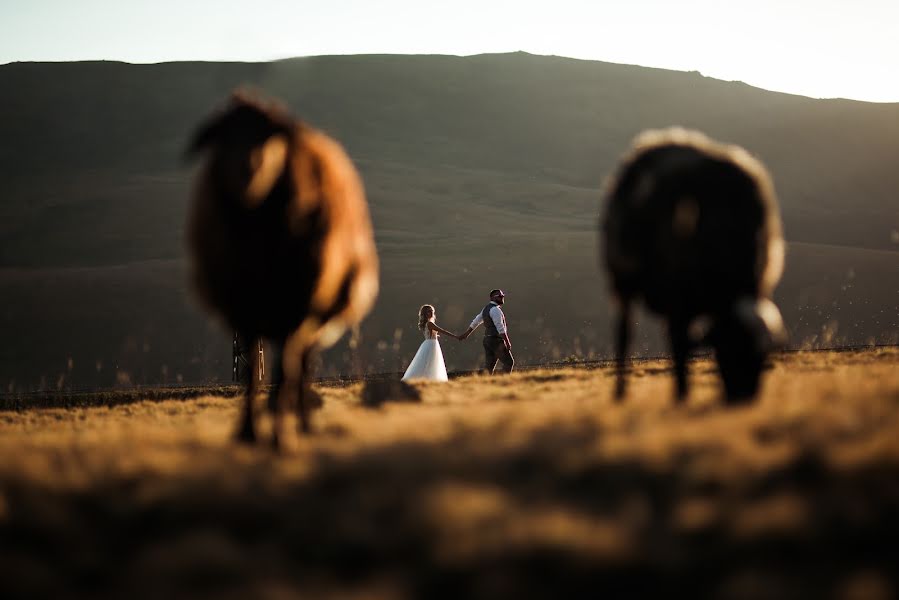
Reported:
(692, 228)
(281, 242)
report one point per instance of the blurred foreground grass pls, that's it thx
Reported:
(534, 485)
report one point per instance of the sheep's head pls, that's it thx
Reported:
(742, 339)
(248, 143)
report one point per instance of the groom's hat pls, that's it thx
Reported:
(495, 292)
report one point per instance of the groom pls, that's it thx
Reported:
(497, 346)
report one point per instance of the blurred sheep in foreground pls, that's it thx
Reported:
(692, 228)
(281, 243)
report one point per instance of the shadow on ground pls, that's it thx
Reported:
(457, 521)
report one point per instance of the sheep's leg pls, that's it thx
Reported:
(303, 392)
(278, 394)
(277, 356)
(680, 349)
(246, 430)
(285, 394)
(278, 417)
(622, 337)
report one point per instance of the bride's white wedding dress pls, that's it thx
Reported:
(428, 362)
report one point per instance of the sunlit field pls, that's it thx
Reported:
(534, 485)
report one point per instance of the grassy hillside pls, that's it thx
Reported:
(537, 485)
(481, 171)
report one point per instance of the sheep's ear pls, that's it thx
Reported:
(267, 163)
(762, 319)
(204, 137)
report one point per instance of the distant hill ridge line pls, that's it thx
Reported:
(418, 56)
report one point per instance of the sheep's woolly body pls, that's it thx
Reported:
(324, 208)
(660, 157)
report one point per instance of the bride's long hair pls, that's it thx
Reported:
(422, 319)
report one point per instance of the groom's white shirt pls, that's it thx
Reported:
(496, 313)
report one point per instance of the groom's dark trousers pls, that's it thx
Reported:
(495, 350)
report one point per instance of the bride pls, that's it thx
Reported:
(428, 362)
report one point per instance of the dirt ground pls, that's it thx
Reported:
(533, 485)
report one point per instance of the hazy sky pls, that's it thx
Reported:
(819, 48)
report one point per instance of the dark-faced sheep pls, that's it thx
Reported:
(691, 228)
(281, 243)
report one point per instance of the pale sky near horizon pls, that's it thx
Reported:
(817, 48)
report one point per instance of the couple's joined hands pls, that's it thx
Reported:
(462, 337)
(455, 336)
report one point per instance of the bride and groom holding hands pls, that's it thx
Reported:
(428, 361)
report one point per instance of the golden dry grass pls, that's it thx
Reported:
(533, 485)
